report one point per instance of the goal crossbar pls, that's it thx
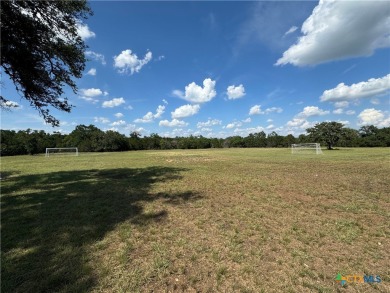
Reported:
(62, 151)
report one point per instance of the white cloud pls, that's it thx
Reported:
(197, 94)
(165, 101)
(118, 115)
(127, 61)
(113, 103)
(246, 131)
(255, 110)
(300, 123)
(129, 107)
(208, 123)
(340, 29)
(96, 56)
(173, 123)
(273, 109)
(118, 123)
(350, 112)
(291, 30)
(312, 111)
(9, 104)
(365, 89)
(269, 120)
(89, 95)
(84, 32)
(185, 111)
(235, 92)
(374, 117)
(270, 127)
(149, 117)
(338, 111)
(247, 120)
(341, 104)
(233, 125)
(101, 120)
(92, 71)
(159, 111)
(92, 92)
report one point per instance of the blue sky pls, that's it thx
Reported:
(219, 69)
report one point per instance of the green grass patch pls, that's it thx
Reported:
(244, 220)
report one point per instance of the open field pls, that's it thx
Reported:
(226, 220)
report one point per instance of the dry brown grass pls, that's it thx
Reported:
(238, 220)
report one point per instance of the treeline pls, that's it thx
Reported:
(92, 139)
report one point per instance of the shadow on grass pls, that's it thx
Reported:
(48, 221)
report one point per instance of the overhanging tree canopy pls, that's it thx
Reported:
(42, 52)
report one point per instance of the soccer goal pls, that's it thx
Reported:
(62, 151)
(306, 148)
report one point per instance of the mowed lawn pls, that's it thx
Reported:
(223, 220)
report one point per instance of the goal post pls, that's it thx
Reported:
(62, 151)
(306, 148)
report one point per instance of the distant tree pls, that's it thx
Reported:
(327, 132)
(41, 51)
(274, 140)
(349, 138)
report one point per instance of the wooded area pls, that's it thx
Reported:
(92, 139)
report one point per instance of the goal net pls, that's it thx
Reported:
(306, 148)
(62, 151)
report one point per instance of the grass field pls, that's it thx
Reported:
(228, 220)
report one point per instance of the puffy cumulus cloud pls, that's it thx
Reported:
(338, 111)
(92, 92)
(350, 112)
(96, 56)
(255, 110)
(92, 71)
(233, 125)
(235, 92)
(173, 123)
(101, 120)
(113, 103)
(127, 61)
(159, 111)
(340, 29)
(247, 120)
(149, 117)
(209, 123)
(374, 117)
(118, 115)
(118, 123)
(365, 89)
(89, 95)
(197, 94)
(312, 111)
(185, 111)
(84, 32)
(301, 123)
